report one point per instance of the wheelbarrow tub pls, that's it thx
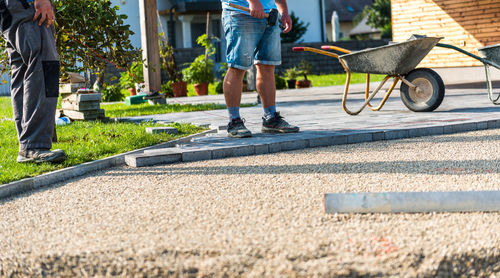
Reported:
(491, 53)
(392, 59)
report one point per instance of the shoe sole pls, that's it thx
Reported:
(275, 130)
(239, 135)
(55, 159)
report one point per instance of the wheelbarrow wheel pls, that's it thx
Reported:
(429, 92)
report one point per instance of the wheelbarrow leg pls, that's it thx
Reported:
(490, 87)
(386, 97)
(367, 101)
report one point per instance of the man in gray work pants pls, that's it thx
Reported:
(26, 25)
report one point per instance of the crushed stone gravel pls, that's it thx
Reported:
(262, 216)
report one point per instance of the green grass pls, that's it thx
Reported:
(5, 108)
(339, 79)
(82, 142)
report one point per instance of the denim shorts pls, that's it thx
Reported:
(250, 41)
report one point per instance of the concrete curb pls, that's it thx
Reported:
(27, 184)
(303, 140)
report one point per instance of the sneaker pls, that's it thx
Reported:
(277, 124)
(236, 129)
(41, 155)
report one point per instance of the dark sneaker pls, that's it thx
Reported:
(277, 124)
(41, 155)
(236, 129)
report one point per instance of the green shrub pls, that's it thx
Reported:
(134, 74)
(219, 87)
(112, 93)
(280, 82)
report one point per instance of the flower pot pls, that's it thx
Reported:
(132, 91)
(303, 83)
(291, 83)
(179, 89)
(201, 89)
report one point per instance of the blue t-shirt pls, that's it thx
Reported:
(267, 4)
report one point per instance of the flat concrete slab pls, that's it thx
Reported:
(163, 129)
(319, 114)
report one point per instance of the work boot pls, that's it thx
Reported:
(41, 155)
(236, 129)
(277, 124)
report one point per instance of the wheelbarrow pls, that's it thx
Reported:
(491, 58)
(422, 89)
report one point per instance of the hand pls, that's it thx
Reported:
(43, 12)
(256, 9)
(286, 21)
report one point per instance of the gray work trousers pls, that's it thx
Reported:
(35, 73)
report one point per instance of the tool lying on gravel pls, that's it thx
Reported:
(422, 89)
(409, 202)
(272, 16)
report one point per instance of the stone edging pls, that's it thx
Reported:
(27, 184)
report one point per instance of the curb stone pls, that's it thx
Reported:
(28, 184)
(206, 148)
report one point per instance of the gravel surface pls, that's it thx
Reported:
(262, 216)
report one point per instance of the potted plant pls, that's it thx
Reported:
(133, 75)
(305, 68)
(291, 75)
(169, 65)
(200, 72)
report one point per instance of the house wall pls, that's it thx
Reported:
(131, 9)
(344, 27)
(469, 24)
(309, 13)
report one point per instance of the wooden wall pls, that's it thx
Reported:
(469, 24)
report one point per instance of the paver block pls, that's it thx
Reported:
(359, 138)
(81, 106)
(149, 159)
(294, 145)
(494, 124)
(244, 150)
(218, 153)
(378, 136)
(162, 129)
(425, 131)
(16, 187)
(463, 127)
(396, 134)
(196, 155)
(77, 97)
(339, 139)
(70, 87)
(320, 141)
(261, 149)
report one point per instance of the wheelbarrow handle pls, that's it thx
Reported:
(310, 49)
(332, 47)
(482, 60)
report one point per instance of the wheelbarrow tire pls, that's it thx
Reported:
(432, 93)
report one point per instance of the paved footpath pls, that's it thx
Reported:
(318, 112)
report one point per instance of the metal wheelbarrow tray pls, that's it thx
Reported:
(422, 89)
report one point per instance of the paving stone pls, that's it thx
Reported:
(294, 145)
(196, 155)
(162, 129)
(261, 149)
(16, 187)
(359, 138)
(142, 160)
(395, 134)
(378, 136)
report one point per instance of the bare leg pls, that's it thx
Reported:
(266, 86)
(233, 85)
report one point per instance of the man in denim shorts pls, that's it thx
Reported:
(250, 40)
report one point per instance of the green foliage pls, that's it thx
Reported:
(292, 73)
(201, 69)
(134, 74)
(378, 16)
(169, 64)
(280, 82)
(112, 93)
(298, 30)
(166, 89)
(219, 87)
(95, 24)
(305, 68)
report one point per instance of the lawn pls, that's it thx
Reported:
(339, 79)
(82, 142)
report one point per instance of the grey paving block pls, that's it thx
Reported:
(378, 136)
(425, 131)
(218, 153)
(244, 150)
(482, 125)
(55, 177)
(339, 139)
(294, 145)
(16, 187)
(162, 129)
(462, 127)
(196, 155)
(494, 124)
(274, 147)
(396, 134)
(261, 149)
(141, 160)
(320, 141)
(359, 138)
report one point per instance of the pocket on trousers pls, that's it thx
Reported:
(5, 16)
(51, 77)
